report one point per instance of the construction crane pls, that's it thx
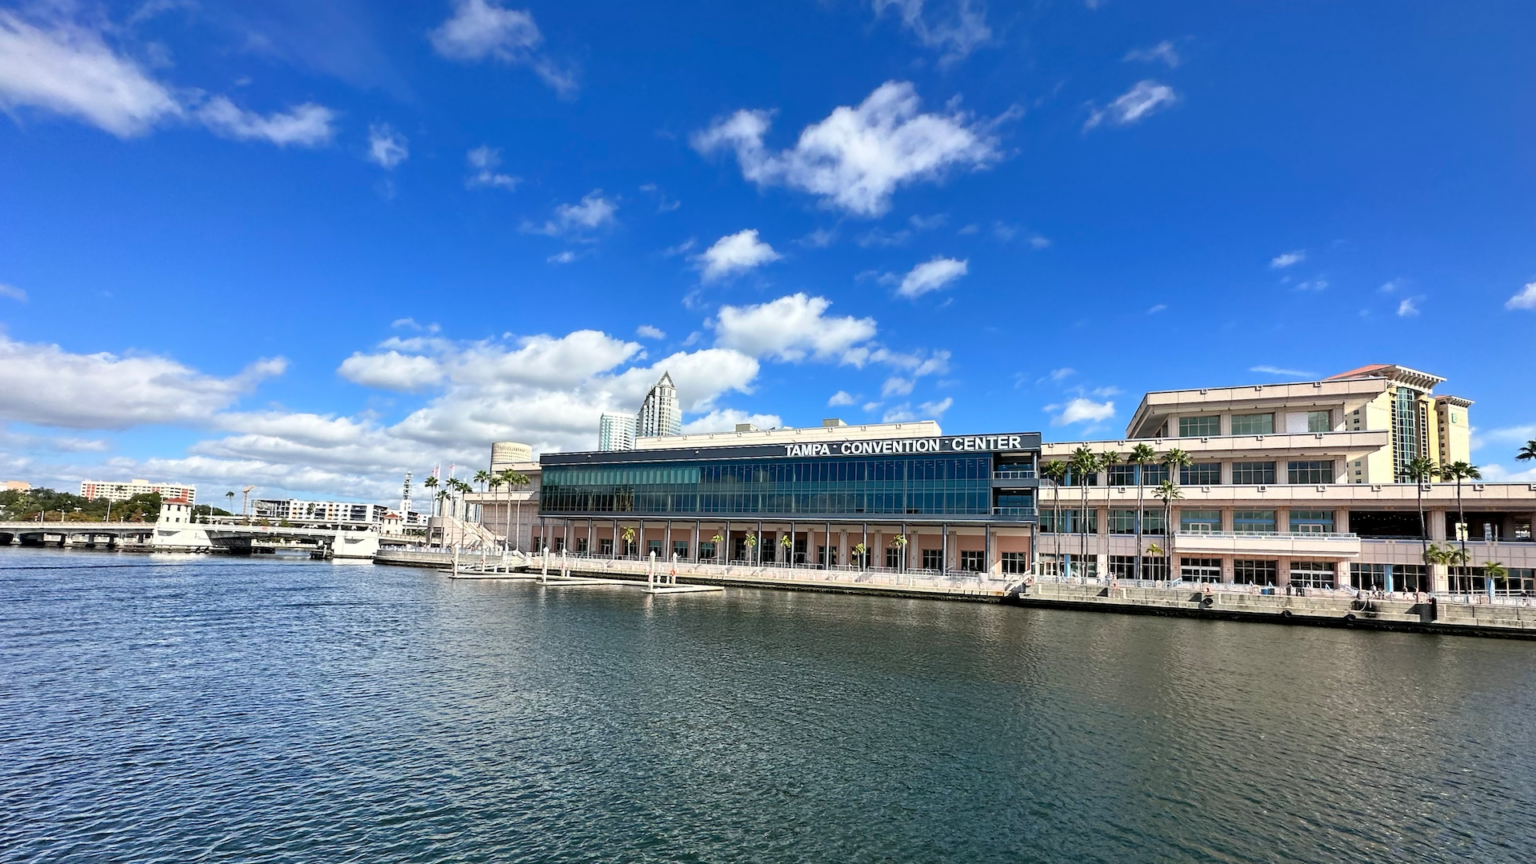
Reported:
(245, 500)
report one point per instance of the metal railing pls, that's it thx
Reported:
(1013, 475)
(1014, 512)
(1267, 535)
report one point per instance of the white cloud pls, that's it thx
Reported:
(1286, 373)
(725, 420)
(12, 293)
(646, 331)
(821, 238)
(483, 29)
(1392, 285)
(794, 328)
(1407, 308)
(904, 413)
(69, 69)
(1160, 307)
(1526, 299)
(857, 157)
(1081, 410)
(879, 238)
(1162, 52)
(391, 371)
(931, 275)
(1062, 373)
(47, 386)
(483, 162)
(1141, 101)
(307, 125)
(1495, 473)
(1286, 259)
(1312, 285)
(957, 31)
(735, 253)
(565, 256)
(896, 386)
(842, 397)
(593, 212)
(386, 147)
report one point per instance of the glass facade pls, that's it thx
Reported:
(1311, 521)
(1405, 430)
(1319, 421)
(1125, 475)
(1309, 472)
(1253, 521)
(1199, 427)
(1253, 473)
(1200, 521)
(1201, 474)
(937, 486)
(1253, 424)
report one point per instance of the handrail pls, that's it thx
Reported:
(1013, 475)
(1276, 535)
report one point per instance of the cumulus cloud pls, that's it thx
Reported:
(904, 413)
(485, 30)
(735, 253)
(1286, 259)
(794, 328)
(1312, 285)
(1163, 52)
(1136, 104)
(574, 220)
(307, 125)
(857, 157)
(933, 275)
(386, 147)
(896, 386)
(1526, 299)
(10, 292)
(957, 29)
(68, 69)
(726, 420)
(48, 386)
(483, 162)
(391, 370)
(1407, 308)
(646, 331)
(1080, 410)
(842, 397)
(1287, 373)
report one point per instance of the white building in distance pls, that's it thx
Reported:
(115, 491)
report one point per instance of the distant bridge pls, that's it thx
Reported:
(195, 537)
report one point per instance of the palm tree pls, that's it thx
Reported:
(751, 542)
(1528, 452)
(788, 543)
(1421, 470)
(719, 541)
(228, 496)
(1175, 460)
(1460, 471)
(900, 543)
(1055, 471)
(859, 550)
(629, 539)
(1141, 456)
(482, 477)
(1168, 492)
(1084, 464)
(514, 478)
(1493, 570)
(1107, 461)
(431, 483)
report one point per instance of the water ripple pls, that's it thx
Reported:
(194, 709)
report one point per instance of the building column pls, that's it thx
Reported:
(1436, 518)
(1341, 521)
(694, 549)
(943, 549)
(1283, 572)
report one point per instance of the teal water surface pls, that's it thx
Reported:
(221, 709)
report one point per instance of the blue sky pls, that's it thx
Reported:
(310, 246)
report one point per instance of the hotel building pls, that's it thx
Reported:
(659, 415)
(113, 491)
(1290, 484)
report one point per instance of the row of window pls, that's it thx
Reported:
(1297, 472)
(975, 501)
(800, 471)
(1249, 424)
(1190, 521)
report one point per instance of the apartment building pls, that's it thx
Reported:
(119, 491)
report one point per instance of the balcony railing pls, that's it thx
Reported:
(1266, 535)
(1013, 475)
(1020, 513)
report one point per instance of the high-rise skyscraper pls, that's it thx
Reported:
(616, 432)
(660, 413)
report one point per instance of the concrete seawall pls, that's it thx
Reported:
(1457, 618)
